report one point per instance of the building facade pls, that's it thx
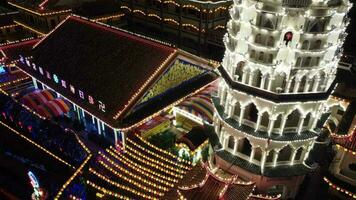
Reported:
(277, 73)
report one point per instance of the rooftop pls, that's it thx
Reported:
(106, 71)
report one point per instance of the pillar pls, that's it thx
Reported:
(123, 139)
(263, 161)
(231, 110)
(289, 83)
(241, 115)
(235, 146)
(275, 157)
(34, 83)
(300, 124)
(226, 138)
(243, 77)
(296, 86)
(270, 126)
(250, 80)
(115, 136)
(263, 82)
(306, 86)
(98, 126)
(270, 82)
(294, 152)
(284, 120)
(316, 84)
(252, 154)
(93, 119)
(257, 126)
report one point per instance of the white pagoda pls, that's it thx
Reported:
(277, 73)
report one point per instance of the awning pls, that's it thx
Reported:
(57, 107)
(42, 110)
(40, 97)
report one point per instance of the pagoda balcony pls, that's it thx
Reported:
(296, 3)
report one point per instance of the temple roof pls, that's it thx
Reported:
(43, 7)
(11, 51)
(214, 187)
(115, 68)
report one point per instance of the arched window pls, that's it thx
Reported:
(279, 82)
(299, 61)
(305, 44)
(270, 156)
(258, 39)
(293, 119)
(306, 62)
(261, 56)
(258, 154)
(265, 119)
(239, 69)
(245, 147)
(252, 54)
(316, 61)
(302, 83)
(237, 110)
(307, 119)
(298, 155)
(231, 142)
(278, 122)
(251, 112)
(317, 44)
(270, 41)
(257, 78)
(285, 154)
(270, 58)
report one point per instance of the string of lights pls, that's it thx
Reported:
(124, 187)
(79, 169)
(157, 155)
(106, 191)
(162, 169)
(127, 147)
(134, 165)
(37, 145)
(332, 185)
(142, 172)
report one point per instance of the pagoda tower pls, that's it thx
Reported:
(277, 73)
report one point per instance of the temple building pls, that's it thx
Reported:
(113, 80)
(277, 74)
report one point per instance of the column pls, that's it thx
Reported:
(270, 82)
(231, 110)
(330, 79)
(98, 126)
(221, 136)
(284, 120)
(315, 121)
(275, 157)
(257, 126)
(243, 77)
(34, 83)
(227, 104)
(235, 146)
(263, 161)
(223, 96)
(226, 138)
(263, 82)
(270, 126)
(123, 139)
(300, 124)
(115, 136)
(252, 154)
(296, 86)
(217, 127)
(306, 86)
(289, 83)
(316, 84)
(250, 80)
(294, 152)
(92, 119)
(241, 115)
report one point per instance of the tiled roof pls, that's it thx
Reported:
(12, 51)
(194, 138)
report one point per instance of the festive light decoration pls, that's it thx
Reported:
(158, 156)
(79, 169)
(148, 175)
(109, 17)
(30, 28)
(45, 13)
(37, 145)
(106, 191)
(132, 164)
(9, 26)
(345, 149)
(14, 81)
(151, 164)
(127, 188)
(335, 187)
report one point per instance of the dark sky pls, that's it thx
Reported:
(350, 42)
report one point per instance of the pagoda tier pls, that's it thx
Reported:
(277, 74)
